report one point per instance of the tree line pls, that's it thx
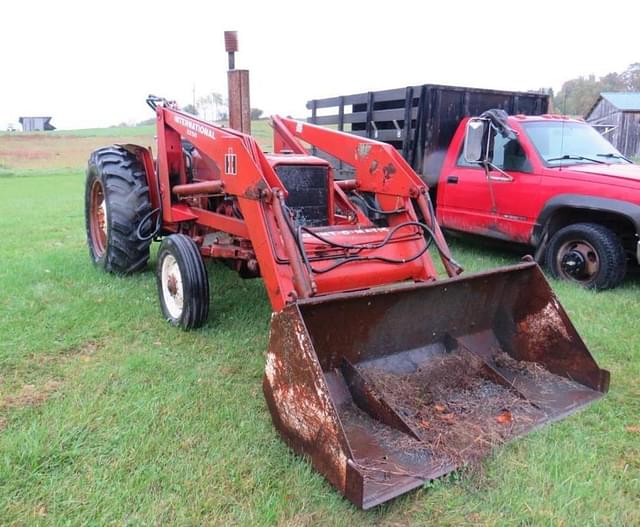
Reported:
(212, 107)
(577, 96)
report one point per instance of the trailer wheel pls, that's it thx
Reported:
(116, 202)
(182, 281)
(589, 254)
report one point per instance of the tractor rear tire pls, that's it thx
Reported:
(116, 202)
(589, 254)
(183, 286)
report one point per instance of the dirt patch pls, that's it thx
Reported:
(43, 151)
(84, 352)
(30, 395)
(86, 348)
(40, 511)
(3, 423)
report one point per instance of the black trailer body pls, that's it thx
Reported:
(418, 120)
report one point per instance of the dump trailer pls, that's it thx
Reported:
(419, 121)
(382, 372)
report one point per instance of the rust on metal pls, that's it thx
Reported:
(424, 377)
(347, 184)
(239, 103)
(231, 41)
(98, 218)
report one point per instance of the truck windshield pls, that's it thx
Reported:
(570, 143)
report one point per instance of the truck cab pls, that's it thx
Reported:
(550, 182)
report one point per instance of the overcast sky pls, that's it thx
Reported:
(92, 63)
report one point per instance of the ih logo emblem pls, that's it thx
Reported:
(230, 163)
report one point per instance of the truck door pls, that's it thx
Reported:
(514, 190)
(464, 202)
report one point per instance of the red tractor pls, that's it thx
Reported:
(367, 346)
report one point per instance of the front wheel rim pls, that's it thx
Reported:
(172, 286)
(577, 260)
(98, 219)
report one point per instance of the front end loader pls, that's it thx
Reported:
(380, 371)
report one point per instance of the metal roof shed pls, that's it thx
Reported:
(36, 124)
(616, 115)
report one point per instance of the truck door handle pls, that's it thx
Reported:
(452, 179)
(505, 178)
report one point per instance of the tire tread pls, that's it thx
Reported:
(612, 256)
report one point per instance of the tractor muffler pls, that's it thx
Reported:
(387, 389)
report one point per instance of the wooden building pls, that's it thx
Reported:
(616, 115)
(36, 124)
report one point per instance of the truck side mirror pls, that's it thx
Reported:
(476, 140)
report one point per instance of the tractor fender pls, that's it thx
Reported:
(144, 154)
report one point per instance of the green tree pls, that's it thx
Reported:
(578, 95)
(211, 106)
(631, 77)
(256, 113)
(190, 108)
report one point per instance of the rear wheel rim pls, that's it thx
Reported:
(172, 286)
(578, 260)
(98, 219)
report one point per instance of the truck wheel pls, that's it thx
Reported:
(589, 254)
(116, 201)
(182, 281)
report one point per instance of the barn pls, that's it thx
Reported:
(36, 124)
(616, 115)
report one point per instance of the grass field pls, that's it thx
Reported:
(110, 417)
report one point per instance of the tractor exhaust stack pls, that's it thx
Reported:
(238, 83)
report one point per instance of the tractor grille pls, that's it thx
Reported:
(308, 188)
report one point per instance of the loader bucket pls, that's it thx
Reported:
(386, 389)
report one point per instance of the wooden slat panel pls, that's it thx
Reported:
(359, 98)
(383, 135)
(360, 117)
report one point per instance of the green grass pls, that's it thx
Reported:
(111, 417)
(260, 129)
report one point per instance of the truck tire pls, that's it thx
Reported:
(116, 202)
(183, 286)
(589, 254)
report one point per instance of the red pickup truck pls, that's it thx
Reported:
(547, 181)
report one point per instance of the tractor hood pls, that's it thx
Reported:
(618, 170)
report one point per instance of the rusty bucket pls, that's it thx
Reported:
(386, 389)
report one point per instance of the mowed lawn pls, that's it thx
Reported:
(108, 416)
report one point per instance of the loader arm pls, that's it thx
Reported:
(244, 173)
(379, 169)
(297, 261)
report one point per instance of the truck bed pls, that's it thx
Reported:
(418, 120)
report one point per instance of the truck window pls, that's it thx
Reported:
(507, 155)
(555, 139)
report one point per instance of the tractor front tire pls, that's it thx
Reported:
(183, 286)
(116, 202)
(588, 254)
